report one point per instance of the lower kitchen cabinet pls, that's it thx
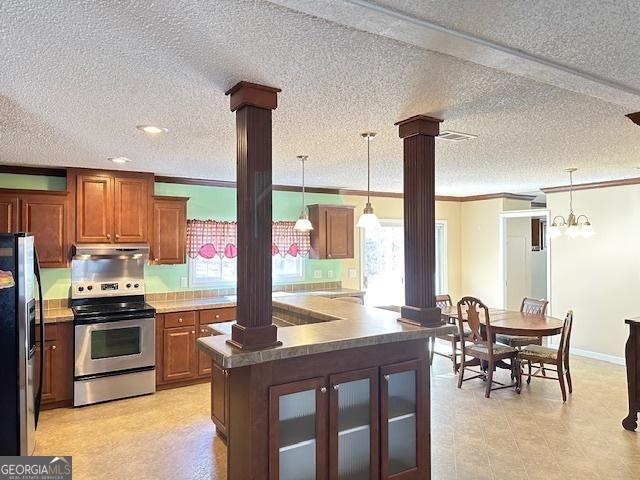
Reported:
(376, 421)
(298, 440)
(179, 354)
(57, 377)
(219, 399)
(178, 359)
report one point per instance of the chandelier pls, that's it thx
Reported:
(573, 226)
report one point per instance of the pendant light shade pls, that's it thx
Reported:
(368, 219)
(303, 224)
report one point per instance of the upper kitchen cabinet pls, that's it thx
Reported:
(169, 230)
(8, 212)
(45, 214)
(112, 207)
(332, 234)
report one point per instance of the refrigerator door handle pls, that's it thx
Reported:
(38, 399)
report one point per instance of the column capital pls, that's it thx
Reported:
(244, 94)
(419, 125)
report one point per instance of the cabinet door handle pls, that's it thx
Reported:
(179, 320)
(336, 387)
(217, 315)
(226, 374)
(108, 236)
(202, 330)
(386, 377)
(323, 390)
(193, 332)
(53, 347)
(117, 235)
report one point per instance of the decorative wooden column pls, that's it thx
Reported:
(253, 105)
(419, 134)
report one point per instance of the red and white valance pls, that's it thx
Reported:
(211, 238)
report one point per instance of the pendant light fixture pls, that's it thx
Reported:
(573, 226)
(303, 224)
(368, 219)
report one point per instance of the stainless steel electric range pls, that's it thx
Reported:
(114, 327)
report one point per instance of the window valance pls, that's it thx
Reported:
(211, 238)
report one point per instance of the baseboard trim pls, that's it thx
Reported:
(595, 355)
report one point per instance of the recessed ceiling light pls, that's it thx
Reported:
(152, 129)
(452, 136)
(119, 159)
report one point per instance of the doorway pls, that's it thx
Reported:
(382, 260)
(525, 257)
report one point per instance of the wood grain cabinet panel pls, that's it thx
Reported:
(332, 234)
(46, 216)
(219, 399)
(8, 212)
(169, 230)
(57, 377)
(179, 354)
(131, 209)
(94, 209)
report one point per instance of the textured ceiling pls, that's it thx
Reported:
(78, 76)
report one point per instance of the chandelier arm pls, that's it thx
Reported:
(562, 223)
(586, 219)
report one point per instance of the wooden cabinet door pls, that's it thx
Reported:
(94, 209)
(353, 425)
(169, 231)
(179, 354)
(219, 399)
(8, 213)
(50, 365)
(131, 209)
(339, 233)
(47, 217)
(204, 360)
(298, 430)
(404, 407)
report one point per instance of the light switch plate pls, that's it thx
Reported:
(317, 274)
(353, 273)
(329, 273)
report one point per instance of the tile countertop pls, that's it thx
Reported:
(56, 315)
(354, 326)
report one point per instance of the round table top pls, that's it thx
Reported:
(511, 322)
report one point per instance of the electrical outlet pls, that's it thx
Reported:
(329, 273)
(184, 282)
(317, 274)
(353, 273)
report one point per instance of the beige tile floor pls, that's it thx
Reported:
(531, 436)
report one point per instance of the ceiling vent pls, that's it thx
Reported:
(452, 136)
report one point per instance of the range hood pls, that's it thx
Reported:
(106, 250)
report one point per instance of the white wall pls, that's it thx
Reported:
(599, 278)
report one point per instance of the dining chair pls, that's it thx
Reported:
(443, 301)
(474, 345)
(550, 356)
(533, 307)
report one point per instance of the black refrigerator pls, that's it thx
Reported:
(20, 392)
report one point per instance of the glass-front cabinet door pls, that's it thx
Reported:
(298, 436)
(353, 425)
(403, 408)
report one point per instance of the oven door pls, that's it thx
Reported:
(114, 346)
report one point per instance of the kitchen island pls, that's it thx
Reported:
(347, 392)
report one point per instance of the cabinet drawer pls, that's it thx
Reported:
(179, 319)
(217, 315)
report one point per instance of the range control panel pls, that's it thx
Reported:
(107, 289)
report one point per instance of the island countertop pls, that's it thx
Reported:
(346, 325)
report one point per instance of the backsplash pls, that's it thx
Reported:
(51, 304)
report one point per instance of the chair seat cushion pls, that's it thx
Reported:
(538, 352)
(483, 348)
(516, 341)
(450, 336)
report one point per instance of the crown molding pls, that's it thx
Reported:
(588, 186)
(24, 170)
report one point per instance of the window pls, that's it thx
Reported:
(222, 272)
(383, 262)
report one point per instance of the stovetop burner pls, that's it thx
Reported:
(92, 311)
